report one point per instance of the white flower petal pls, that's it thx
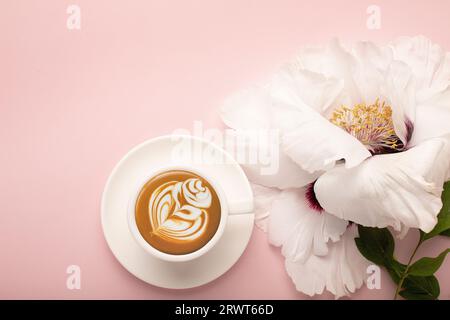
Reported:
(333, 61)
(430, 65)
(442, 99)
(317, 144)
(278, 105)
(399, 92)
(296, 86)
(265, 164)
(341, 271)
(378, 76)
(252, 115)
(263, 198)
(300, 230)
(288, 174)
(431, 121)
(369, 75)
(399, 190)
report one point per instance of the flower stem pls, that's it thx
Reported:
(405, 273)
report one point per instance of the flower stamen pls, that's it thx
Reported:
(371, 124)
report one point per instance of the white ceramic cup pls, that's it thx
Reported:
(224, 213)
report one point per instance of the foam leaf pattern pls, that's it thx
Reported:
(178, 210)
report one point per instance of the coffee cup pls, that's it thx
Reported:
(179, 213)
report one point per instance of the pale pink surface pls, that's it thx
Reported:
(72, 103)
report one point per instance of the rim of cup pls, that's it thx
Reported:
(131, 215)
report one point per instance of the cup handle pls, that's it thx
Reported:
(240, 207)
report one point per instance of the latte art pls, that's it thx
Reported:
(177, 212)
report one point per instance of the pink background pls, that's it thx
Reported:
(72, 103)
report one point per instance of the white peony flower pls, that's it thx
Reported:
(365, 138)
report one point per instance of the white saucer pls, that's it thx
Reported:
(150, 156)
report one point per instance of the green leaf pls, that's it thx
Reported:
(443, 224)
(445, 233)
(376, 245)
(427, 266)
(420, 288)
(396, 270)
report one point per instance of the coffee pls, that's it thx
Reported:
(177, 212)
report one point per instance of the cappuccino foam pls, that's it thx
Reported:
(177, 212)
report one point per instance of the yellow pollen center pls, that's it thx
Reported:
(371, 124)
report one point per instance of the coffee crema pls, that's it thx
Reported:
(177, 212)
